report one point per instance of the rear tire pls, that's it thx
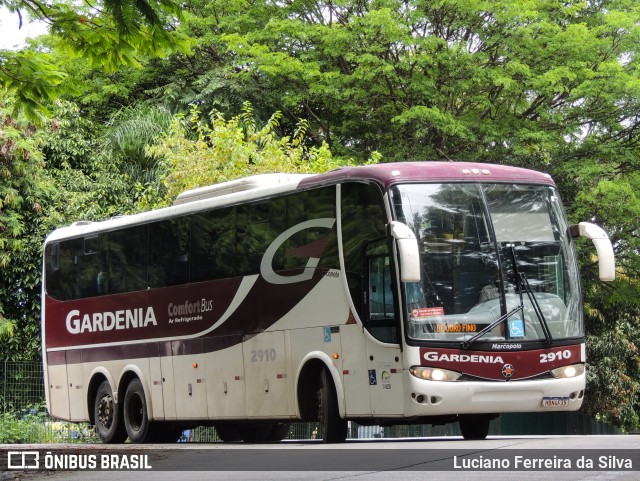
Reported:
(474, 426)
(106, 416)
(136, 417)
(332, 428)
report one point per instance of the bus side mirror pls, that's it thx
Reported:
(600, 239)
(408, 251)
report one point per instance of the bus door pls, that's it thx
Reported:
(384, 367)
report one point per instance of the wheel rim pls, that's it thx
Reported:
(105, 412)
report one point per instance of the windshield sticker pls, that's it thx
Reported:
(516, 328)
(427, 312)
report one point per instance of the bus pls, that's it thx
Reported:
(400, 293)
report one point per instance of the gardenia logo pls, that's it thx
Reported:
(472, 358)
(78, 323)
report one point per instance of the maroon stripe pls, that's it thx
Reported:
(201, 345)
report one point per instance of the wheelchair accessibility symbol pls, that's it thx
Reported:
(516, 328)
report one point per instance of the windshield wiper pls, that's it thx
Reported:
(523, 285)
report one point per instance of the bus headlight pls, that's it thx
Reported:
(434, 373)
(565, 372)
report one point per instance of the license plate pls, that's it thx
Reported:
(555, 402)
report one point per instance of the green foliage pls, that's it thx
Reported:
(73, 140)
(7, 327)
(493, 81)
(20, 189)
(35, 199)
(195, 154)
(107, 35)
(32, 425)
(128, 132)
(15, 428)
(613, 345)
(33, 78)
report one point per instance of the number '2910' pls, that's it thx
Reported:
(555, 356)
(260, 355)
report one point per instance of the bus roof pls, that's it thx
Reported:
(265, 185)
(402, 172)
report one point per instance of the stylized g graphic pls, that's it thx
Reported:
(266, 265)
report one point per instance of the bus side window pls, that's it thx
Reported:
(58, 269)
(127, 260)
(315, 241)
(169, 252)
(213, 245)
(258, 226)
(87, 266)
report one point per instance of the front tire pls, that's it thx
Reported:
(136, 417)
(106, 416)
(332, 428)
(474, 426)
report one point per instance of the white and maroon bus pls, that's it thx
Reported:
(388, 294)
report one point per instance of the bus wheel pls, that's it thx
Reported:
(474, 426)
(106, 416)
(136, 418)
(332, 428)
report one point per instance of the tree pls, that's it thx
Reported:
(195, 153)
(35, 199)
(108, 35)
(545, 84)
(127, 134)
(21, 194)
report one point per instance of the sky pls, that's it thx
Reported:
(12, 37)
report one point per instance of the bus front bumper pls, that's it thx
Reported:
(426, 397)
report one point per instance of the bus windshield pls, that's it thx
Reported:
(497, 264)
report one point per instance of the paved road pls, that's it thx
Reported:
(530, 458)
